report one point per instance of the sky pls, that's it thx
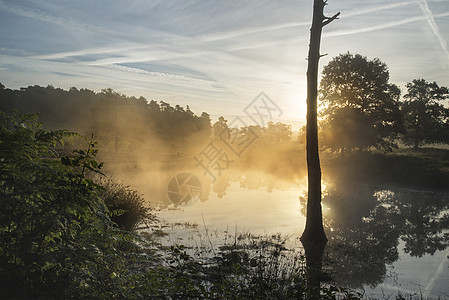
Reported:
(216, 56)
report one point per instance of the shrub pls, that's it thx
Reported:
(56, 239)
(127, 207)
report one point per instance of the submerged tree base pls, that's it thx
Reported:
(314, 251)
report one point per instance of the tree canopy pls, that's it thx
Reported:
(426, 120)
(359, 106)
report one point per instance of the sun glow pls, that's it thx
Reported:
(296, 103)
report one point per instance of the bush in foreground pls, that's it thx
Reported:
(56, 239)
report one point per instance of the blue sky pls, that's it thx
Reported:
(214, 56)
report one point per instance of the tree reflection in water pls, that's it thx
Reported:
(364, 225)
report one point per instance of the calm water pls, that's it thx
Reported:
(382, 240)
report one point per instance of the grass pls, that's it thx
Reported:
(245, 266)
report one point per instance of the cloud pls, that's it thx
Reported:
(370, 10)
(381, 26)
(253, 30)
(45, 17)
(73, 24)
(204, 41)
(260, 29)
(31, 13)
(89, 51)
(200, 83)
(431, 21)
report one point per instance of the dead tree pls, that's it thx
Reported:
(314, 238)
(314, 224)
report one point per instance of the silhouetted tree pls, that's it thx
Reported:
(277, 133)
(361, 87)
(425, 118)
(348, 128)
(313, 238)
(205, 125)
(220, 128)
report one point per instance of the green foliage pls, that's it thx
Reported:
(361, 88)
(426, 119)
(56, 237)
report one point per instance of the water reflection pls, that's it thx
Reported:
(365, 225)
(369, 227)
(175, 188)
(363, 235)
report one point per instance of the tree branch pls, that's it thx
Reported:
(327, 20)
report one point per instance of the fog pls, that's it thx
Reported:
(379, 207)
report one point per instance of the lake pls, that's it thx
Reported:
(382, 240)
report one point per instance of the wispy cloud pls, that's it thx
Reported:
(373, 9)
(30, 13)
(383, 26)
(42, 16)
(281, 26)
(203, 41)
(249, 31)
(433, 25)
(71, 24)
(90, 51)
(200, 83)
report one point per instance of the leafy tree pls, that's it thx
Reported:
(277, 133)
(348, 128)
(220, 128)
(425, 118)
(205, 124)
(356, 88)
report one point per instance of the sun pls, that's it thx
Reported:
(297, 102)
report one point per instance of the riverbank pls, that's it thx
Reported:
(426, 168)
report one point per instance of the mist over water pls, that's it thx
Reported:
(380, 239)
(383, 237)
(386, 215)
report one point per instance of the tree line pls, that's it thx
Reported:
(130, 126)
(115, 119)
(359, 108)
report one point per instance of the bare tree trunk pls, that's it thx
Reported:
(314, 224)
(313, 238)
